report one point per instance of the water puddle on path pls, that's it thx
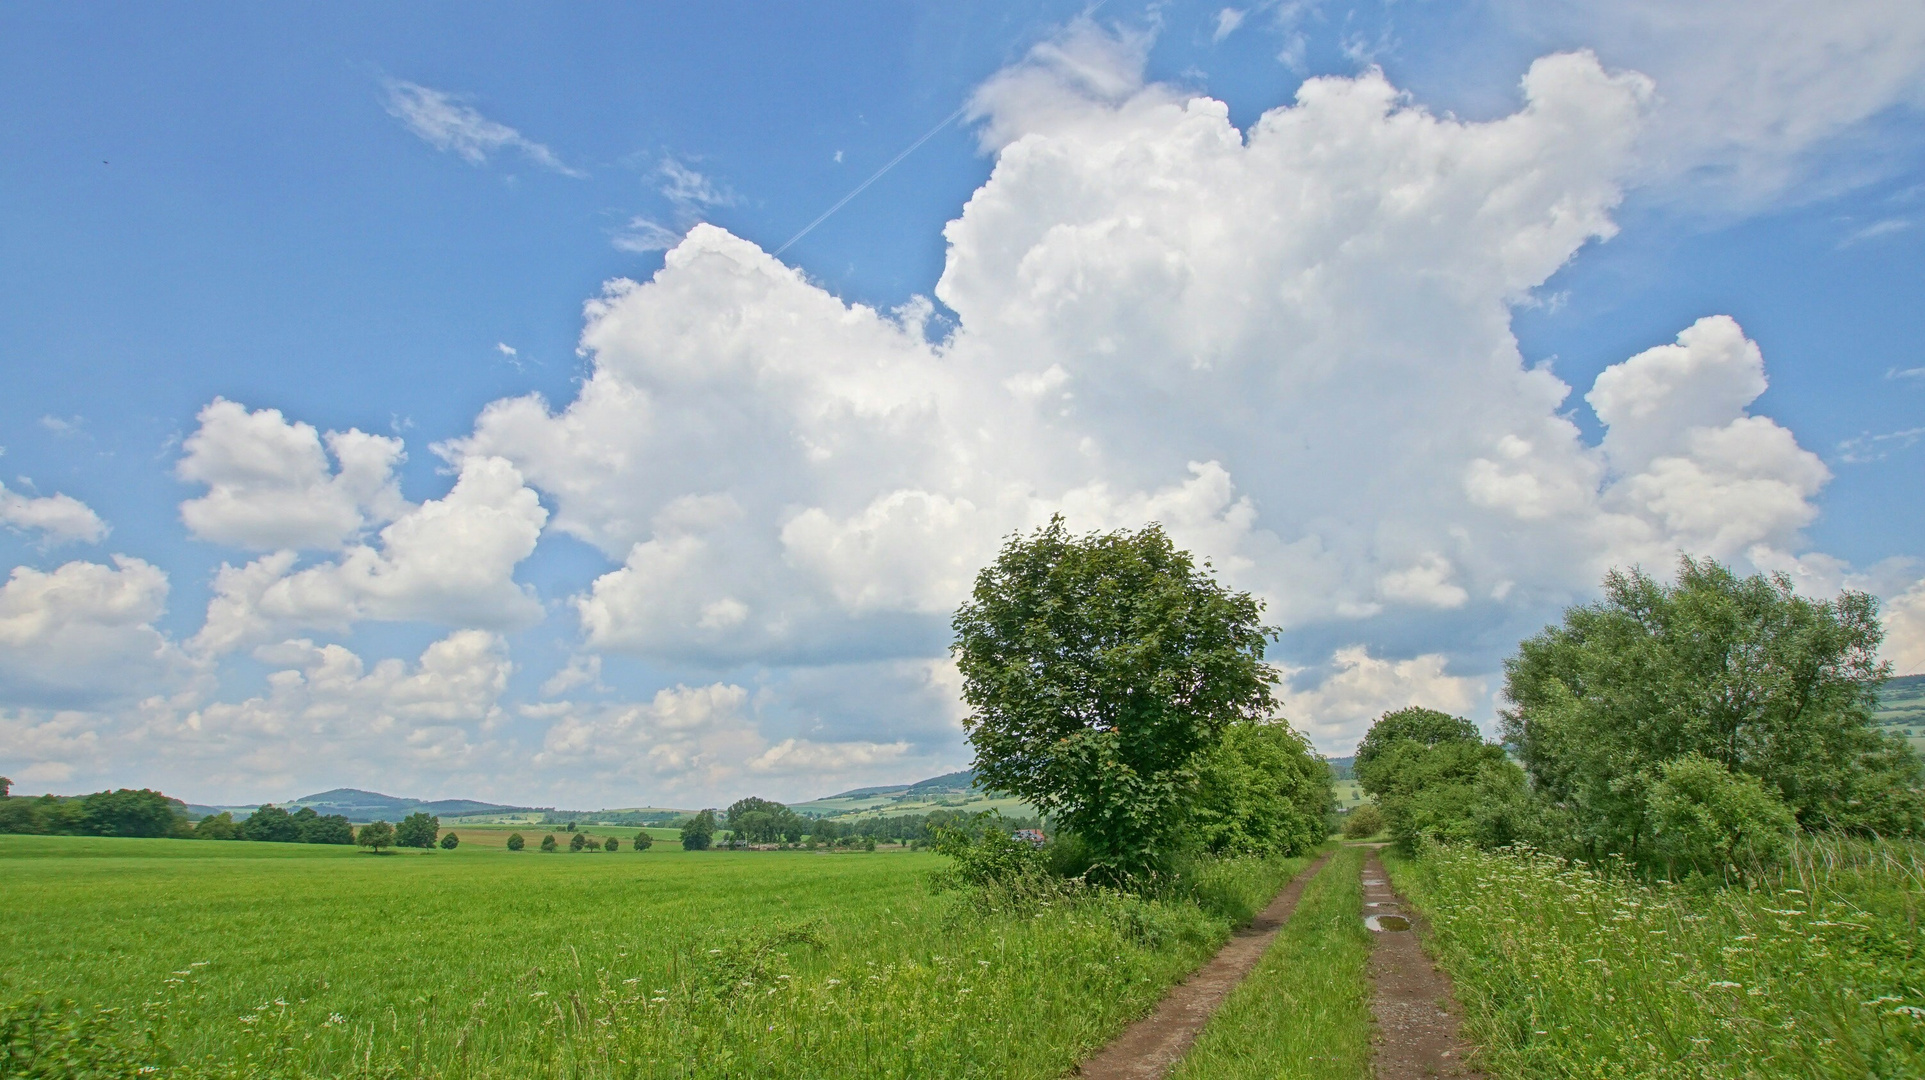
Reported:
(1417, 1019)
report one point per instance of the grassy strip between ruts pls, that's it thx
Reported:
(1565, 972)
(288, 960)
(1305, 1010)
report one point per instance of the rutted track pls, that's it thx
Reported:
(1148, 1048)
(1417, 1017)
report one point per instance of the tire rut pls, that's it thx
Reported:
(1147, 1049)
(1417, 1036)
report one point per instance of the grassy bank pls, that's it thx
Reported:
(1816, 972)
(1304, 1012)
(300, 960)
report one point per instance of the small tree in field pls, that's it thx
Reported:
(643, 841)
(449, 842)
(515, 842)
(1097, 670)
(698, 832)
(548, 843)
(611, 844)
(417, 830)
(375, 836)
(578, 841)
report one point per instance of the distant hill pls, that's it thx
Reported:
(1342, 768)
(935, 785)
(357, 805)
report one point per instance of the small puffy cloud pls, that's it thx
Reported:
(276, 484)
(1359, 688)
(83, 634)
(445, 123)
(59, 519)
(449, 560)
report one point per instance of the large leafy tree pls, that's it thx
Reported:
(375, 836)
(760, 821)
(126, 812)
(271, 823)
(698, 832)
(417, 830)
(1740, 671)
(1097, 669)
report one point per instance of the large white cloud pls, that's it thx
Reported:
(449, 561)
(1290, 345)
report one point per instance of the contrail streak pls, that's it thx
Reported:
(893, 162)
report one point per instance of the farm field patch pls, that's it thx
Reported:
(311, 960)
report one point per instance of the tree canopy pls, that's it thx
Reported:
(1097, 668)
(759, 821)
(698, 832)
(375, 836)
(1742, 672)
(417, 830)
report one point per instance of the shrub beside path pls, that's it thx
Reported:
(1148, 1048)
(1417, 1016)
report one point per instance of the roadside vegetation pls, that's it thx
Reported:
(1812, 969)
(1703, 859)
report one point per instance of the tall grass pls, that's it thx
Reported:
(278, 960)
(1304, 1012)
(1812, 971)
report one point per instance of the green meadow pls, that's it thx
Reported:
(307, 960)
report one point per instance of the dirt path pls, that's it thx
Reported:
(1147, 1048)
(1417, 1018)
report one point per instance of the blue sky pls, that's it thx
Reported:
(386, 220)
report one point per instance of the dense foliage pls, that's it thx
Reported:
(1098, 670)
(1262, 790)
(1433, 776)
(698, 832)
(417, 830)
(121, 812)
(1742, 674)
(759, 821)
(375, 836)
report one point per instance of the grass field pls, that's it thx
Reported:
(1817, 972)
(496, 836)
(303, 960)
(1305, 1011)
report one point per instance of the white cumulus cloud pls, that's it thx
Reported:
(59, 519)
(449, 560)
(274, 484)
